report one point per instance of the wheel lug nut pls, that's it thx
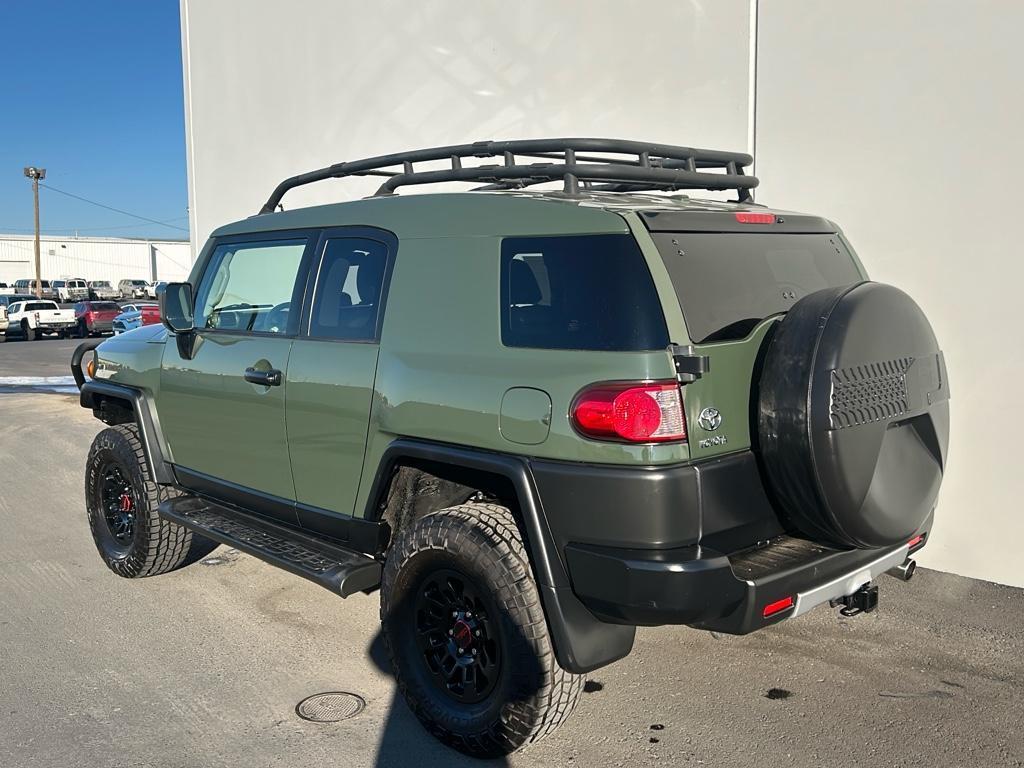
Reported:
(474, 651)
(469, 614)
(451, 631)
(477, 633)
(455, 614)
(459, 651)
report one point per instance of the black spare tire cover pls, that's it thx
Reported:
(853, 416)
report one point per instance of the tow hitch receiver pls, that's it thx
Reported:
(864, 600)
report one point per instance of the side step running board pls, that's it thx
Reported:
(339, 570)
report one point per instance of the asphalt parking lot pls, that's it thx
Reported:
(205, 666)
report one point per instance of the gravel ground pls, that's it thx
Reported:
(204, 666)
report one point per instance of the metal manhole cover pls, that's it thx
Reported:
(331, 707)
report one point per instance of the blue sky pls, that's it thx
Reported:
(92, 92)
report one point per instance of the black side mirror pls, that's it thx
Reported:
(176, 307)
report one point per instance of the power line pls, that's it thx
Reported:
(61, 230)
(111, 208)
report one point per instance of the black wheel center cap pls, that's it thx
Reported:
(462, 634)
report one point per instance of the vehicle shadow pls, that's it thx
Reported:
(403, 740)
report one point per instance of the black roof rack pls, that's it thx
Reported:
(645, 167)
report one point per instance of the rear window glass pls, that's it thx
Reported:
(103, 306)
(579, 292)
(35, 306)
(729, 282)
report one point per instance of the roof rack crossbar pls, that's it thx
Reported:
(649, 166)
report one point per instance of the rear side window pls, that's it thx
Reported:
(349, 290)
(729, 282)
(591, 292)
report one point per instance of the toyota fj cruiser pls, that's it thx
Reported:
(534, 420)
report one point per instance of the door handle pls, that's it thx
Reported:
(271, 378)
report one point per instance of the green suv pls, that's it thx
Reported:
(533, 419)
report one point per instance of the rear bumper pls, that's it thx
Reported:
(55, 326)
(676, 545)
(713, 591)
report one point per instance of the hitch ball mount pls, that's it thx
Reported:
(864, 600)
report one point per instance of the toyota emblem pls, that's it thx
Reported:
(710, 419)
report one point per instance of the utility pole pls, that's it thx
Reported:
(36, 174)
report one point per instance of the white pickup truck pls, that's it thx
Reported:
(31, 318)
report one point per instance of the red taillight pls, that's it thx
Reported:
(746, 217)
(638, 413)
(778, 607)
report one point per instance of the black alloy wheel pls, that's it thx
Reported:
(455, 635)
(118, 500)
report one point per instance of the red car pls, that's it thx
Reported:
(95, 317)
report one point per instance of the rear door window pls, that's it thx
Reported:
(729, 282)
(591, 292)
(349, 290)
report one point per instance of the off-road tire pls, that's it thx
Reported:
(156, 546)
(28, 332)
(533, 695)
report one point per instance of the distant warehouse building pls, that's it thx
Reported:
(94, 258)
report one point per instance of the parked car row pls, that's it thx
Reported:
(28, 317)
(72, 289)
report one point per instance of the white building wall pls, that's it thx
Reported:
(900, 121)
(277, 89)
(94, 258)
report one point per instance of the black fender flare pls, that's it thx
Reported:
(94, 393)
(582, 642)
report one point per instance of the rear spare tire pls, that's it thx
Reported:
(853, 416)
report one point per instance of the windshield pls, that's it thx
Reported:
(100, 284)
(727, 283)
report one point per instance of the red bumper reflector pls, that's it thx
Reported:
(778, 606)
(915, 541)
(755, 218)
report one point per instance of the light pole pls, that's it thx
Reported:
(36, 174)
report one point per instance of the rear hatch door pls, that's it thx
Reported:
(734, 276)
